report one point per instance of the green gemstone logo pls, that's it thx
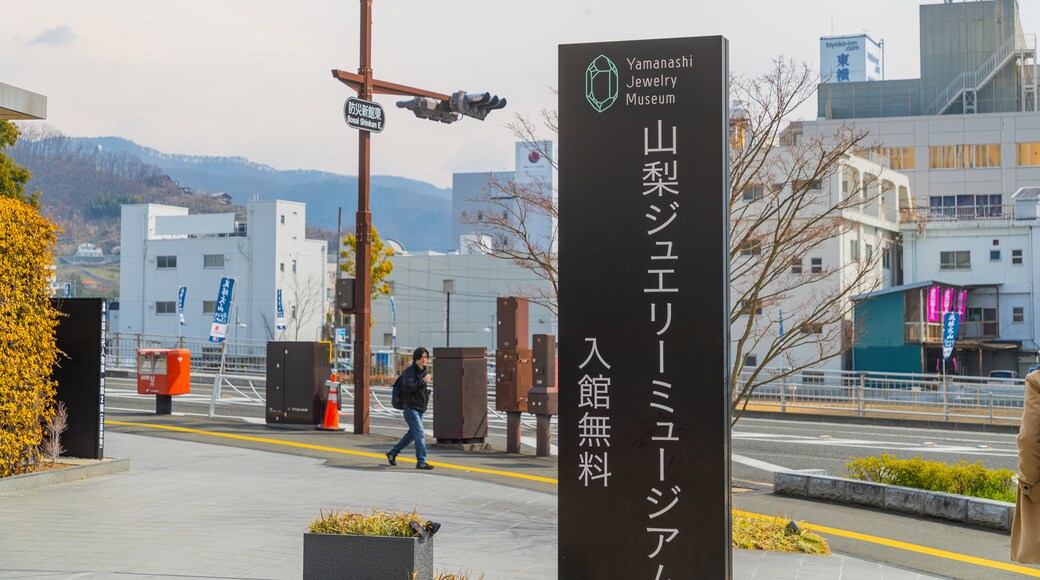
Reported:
(601, 83)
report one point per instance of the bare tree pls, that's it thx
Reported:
(304, 302)
(512, 207)
(51, 445)
(780, 212)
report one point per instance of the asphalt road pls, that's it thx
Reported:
(762, 446)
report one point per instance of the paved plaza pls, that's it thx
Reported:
(195, 509)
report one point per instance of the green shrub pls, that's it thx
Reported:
(961, 478)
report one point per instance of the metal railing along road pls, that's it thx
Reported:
(890, 395)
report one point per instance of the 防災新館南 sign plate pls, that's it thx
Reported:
(364, 115)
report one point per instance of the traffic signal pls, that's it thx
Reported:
(432, 109)
(476, 105)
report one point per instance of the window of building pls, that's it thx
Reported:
(294, 266)
(169, 307)
(966, 207)
(964, 156)
(810, 184)
(281, 266)
(1016, 257)
(750, 248)
(816, 265)
(751, 360)
(165, 262)
(747, 306)
(870, 253)
(994, 255)
(996, 242)
(796, 266)
(754, 192)
(811, 327)
(957, 260)
(898, 157)
(984, 317)
(1018, 314)
(213, 261)
(209, 306)
(281, 218)
(854, 250)
(886, 259)
(812, 377)
(1027, 154)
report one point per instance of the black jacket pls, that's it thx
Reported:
(415, 393)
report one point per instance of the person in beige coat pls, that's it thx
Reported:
(1025, 530)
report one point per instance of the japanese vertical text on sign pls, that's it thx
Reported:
(182, 292)
(644, 406)
(225, 295)
(279, 315)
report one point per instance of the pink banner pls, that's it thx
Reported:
(933, 304)
(962, 303)
(947, 300)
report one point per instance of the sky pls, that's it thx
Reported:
(252, 78)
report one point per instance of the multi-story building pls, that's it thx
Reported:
(967, 135)
(857, 255)
(164, 248)
(476, 196)
(450, 300)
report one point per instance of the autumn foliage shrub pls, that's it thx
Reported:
(27, 324)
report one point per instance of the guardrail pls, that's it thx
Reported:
(891, 395)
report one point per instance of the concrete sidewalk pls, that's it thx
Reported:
(190, 509)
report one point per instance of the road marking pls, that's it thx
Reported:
(331, 450)
(907, 546)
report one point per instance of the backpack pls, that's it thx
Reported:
(397, 393)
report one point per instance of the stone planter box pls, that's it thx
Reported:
(328, 556)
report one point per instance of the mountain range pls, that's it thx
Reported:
(414, 213)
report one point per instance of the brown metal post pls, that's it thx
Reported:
(513, 432)
(542, 431)
(363, 252)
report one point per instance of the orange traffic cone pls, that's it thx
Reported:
(331, 421)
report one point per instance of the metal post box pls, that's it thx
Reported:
(512, 322)
(543, 398)
(460, 394)
(163, 371)
(296, 375)
(512, 378)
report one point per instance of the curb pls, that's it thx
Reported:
(90, 468)
(963, 509)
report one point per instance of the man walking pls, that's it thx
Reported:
(415, 395)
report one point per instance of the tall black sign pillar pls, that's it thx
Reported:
(644, 330)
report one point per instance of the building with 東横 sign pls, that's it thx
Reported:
(967, 135)
(845, 59)
(164, 247)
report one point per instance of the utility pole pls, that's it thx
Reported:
(426, 105)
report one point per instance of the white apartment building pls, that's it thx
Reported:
(869, 229)
(164, 248)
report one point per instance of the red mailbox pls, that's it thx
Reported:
(163, 371)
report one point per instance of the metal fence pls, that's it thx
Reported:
(892, 395)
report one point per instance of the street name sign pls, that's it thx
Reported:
(364, 115)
